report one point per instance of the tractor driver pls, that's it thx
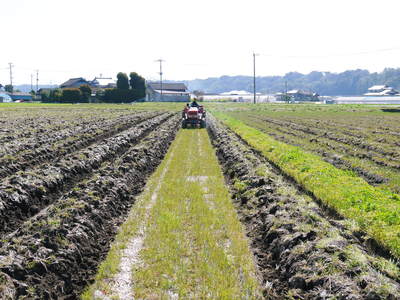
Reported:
(194, 103)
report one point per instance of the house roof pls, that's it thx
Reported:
(103, 82)
(178, 86)
(378, 87)
(74, 81)
(234, 93)
(168, 92)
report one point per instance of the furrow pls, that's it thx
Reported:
(38, 154)
(26, 193)
(55, 254)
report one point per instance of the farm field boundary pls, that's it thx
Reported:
(182, 234)
(374, 210)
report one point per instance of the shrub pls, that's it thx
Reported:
(86, 91)
(71, 95)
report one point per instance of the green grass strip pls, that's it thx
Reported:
(194, 245)
(376, 211)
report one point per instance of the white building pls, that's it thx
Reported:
(168, 92)
(381, 90)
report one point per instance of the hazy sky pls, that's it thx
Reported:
(198, 39)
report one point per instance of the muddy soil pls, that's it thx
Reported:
(55, 254)
(302, 251)
(49, 145)
(26, 193)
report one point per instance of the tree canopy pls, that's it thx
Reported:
(122, 81)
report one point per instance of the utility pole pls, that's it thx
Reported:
(37, 81)
(11, 77)
(286, 96)
(161, 73)
(254, 77)
(31, 82)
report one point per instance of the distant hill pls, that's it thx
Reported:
(26, 88)
(353, 82)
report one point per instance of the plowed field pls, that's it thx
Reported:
(270, 201)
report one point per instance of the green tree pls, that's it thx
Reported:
(9, 88)
(118, 96)
(86, 91)
(72, 95)
(45, 96)
(55, 95)
(122, 81)
(138, 85)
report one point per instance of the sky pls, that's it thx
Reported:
(197, 39)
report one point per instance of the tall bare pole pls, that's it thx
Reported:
(161, 74)
(11, 77)
(37, 81)
(254, 77)
(31, 82)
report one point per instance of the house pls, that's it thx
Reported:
(74, 83)
(381, 90)
(297, 96)
(102, 83)
(168, 92)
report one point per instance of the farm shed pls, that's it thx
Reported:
(298, 95)
(171, 92)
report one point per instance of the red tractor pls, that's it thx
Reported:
(194, 115)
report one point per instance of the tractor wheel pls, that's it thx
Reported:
(184, 124)
(203, 124)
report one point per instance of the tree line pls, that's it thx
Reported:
(353, 82)
(127, 90)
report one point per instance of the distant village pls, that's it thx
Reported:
(179, 92)
(155, 91)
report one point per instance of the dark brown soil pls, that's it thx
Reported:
(55, 254)
(25, 193)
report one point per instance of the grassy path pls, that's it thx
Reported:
(191, 244)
